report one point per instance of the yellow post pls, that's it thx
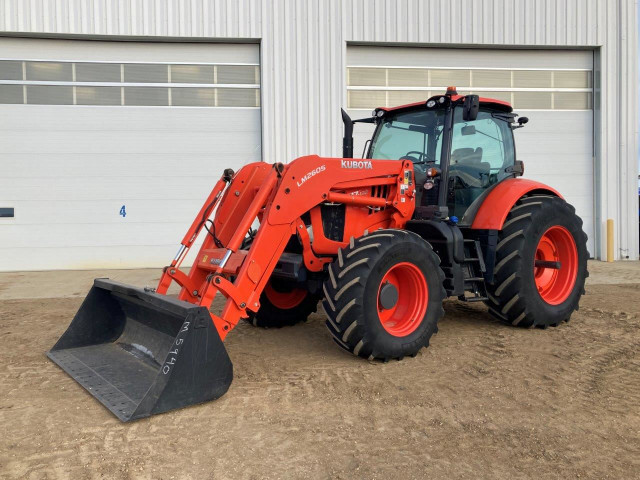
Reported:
(610, 240)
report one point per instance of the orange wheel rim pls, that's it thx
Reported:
(556, 284)
(406, 314)
(285, 300)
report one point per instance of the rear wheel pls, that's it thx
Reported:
(541, 264)
(282, 304)
(384, 294)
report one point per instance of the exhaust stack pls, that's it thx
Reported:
(347, 140)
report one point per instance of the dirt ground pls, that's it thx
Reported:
(483, 401)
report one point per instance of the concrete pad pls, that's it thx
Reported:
(603, 273)
(70, 283)
(76, 283)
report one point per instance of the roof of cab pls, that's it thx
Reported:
(487, 102)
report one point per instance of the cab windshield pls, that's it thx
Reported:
(414, 136)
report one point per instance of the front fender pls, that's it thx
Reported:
(498, 203)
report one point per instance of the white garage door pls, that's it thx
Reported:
(108, 149)
(553, 88)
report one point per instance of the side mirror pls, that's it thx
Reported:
(470, 108)
(521, 122)
(468, 130)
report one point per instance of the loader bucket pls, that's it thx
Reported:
(141, 353)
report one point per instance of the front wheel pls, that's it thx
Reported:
(282, 305)
(541, 264)
(384, 294)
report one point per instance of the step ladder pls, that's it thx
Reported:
(474, 272)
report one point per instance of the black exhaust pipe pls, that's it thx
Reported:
(347, 140)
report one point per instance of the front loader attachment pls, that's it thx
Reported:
(142, 353)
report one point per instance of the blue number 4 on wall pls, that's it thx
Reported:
(123, 212)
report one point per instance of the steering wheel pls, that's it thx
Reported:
(408, 156)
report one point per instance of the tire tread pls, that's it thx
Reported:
(506, 302)
(343, 302)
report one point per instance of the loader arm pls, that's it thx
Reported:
(277, 196)
(140, 352)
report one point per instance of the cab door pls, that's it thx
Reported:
(481, 152)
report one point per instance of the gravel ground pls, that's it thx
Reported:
(483, 401)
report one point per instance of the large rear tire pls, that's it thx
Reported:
(539, 230)
(384, 294)
(283, 306)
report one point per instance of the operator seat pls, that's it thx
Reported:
(470, 178)
(467, 165)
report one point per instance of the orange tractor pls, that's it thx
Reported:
(435, 209)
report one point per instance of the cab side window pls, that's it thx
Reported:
(481, 150)
(485, 142)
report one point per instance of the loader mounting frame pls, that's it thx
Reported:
(278, 196)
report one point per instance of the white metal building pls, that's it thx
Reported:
(116, 116)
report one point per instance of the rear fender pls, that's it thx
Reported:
(499, 201)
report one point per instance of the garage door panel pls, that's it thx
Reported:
(555, 146)
(462, 58)
(568, 137)
(79, 141)
(30, 166)
(112, 188)
(93, 234)
(560, 135)
(569, 189)
(68, 169)
(94, 119)
(128, 142)
(81, 258)
(121, 137)
(554, 88)
(131, 52)
(542, 121)
(538, 165)
(66, 212)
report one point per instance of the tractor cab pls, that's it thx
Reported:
(460, 147)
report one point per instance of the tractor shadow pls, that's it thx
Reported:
(305, 342)
(468, 314)
(311, 340)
